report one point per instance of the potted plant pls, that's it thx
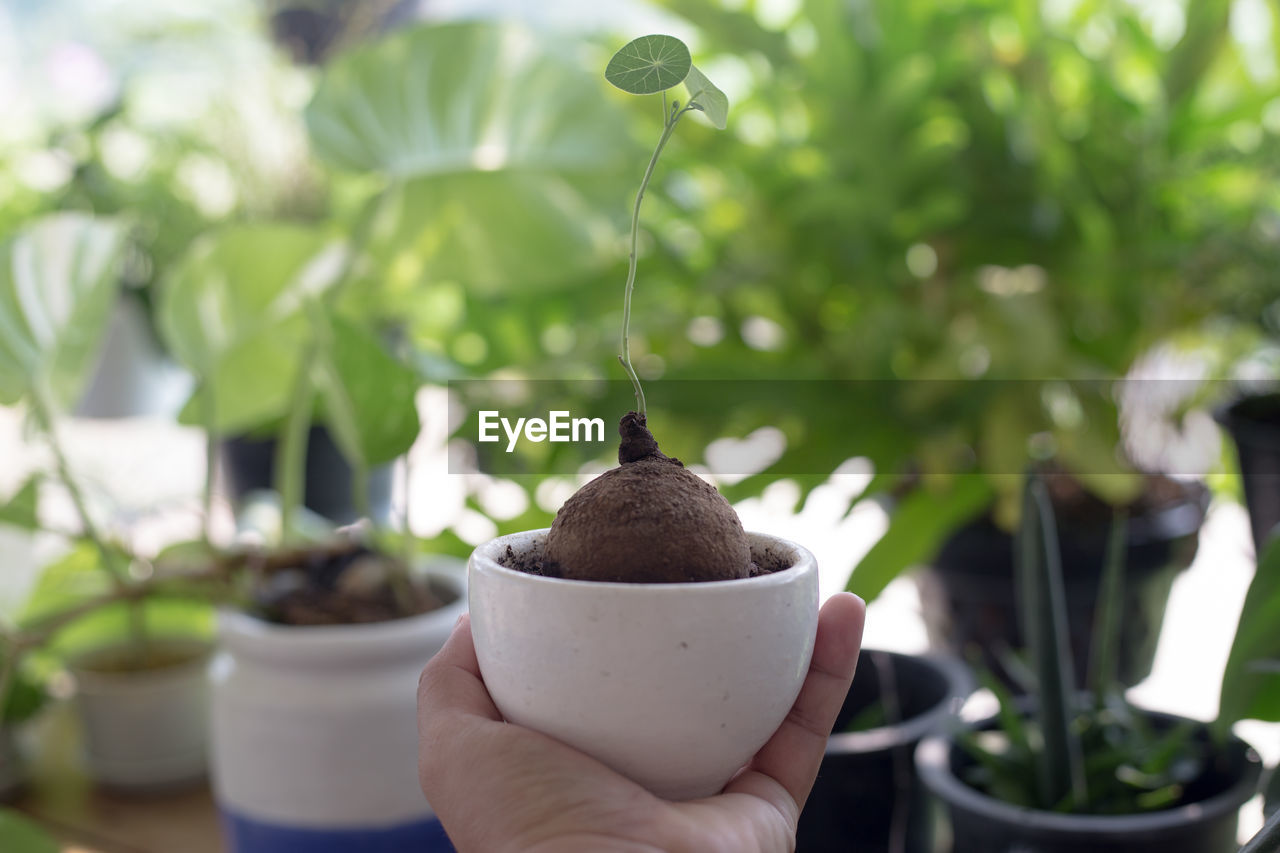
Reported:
(956, 250)
(139, 671)
(1061, 771)
(317, 661)
(678, 628)
(868, 794)
(286, 326)
(968, 602)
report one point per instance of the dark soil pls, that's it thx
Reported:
(342, 583)
(1078, 509)
(764, 561)
(649, 520)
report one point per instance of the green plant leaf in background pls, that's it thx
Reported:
(58, 282)
(1043, 614)
(21, 509)
(487, 127)
(649, 65)
(78, 577)
(25, 698)
(1251, 680)
(368, 396)
(706, 95)
(917, 527)
(232, 312)
(72, 578)
(19, 834)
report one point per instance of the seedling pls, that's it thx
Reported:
(619, 527)
(648, 66)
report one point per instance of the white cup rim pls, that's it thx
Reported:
(485, 559)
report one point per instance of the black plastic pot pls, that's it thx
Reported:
(1271, 793)
(969, 601)
(1206, 824)
(1254, 425)
(867, 796)
(248, 465)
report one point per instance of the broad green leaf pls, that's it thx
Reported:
(1043, 615)
(1251, 680)
(513, 162)
(249, 386)
(78, 577)
(69, 580)
(368, 397)
(494, 232)
(58, 281)
(917, 527)
(21, 510)
(111, 625)
(1108, 613)
(703, 93)
(19, 834)
(462, 98)
(649, 64)
(232, 312)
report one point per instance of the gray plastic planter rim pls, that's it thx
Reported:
(911, 730)
(933, 762)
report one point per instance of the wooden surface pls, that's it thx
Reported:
(103, 822)
(89, 819)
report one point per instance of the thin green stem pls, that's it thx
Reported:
(42, 408)
(670, 119)
(208, 413)
(43, 411)
(291, 450)
(9, 655)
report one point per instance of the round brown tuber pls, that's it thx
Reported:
(649, 520)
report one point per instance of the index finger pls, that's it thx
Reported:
(792, 756)
(451, 681)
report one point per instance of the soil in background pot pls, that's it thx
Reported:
(341, 583)
(968, 594)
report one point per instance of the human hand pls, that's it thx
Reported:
(498, 787)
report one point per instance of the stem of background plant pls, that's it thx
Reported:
(208, 413)
(291, 450)
(9, 653)
(670, 118)
(42, 409)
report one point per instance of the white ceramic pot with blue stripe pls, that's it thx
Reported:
(314, 731)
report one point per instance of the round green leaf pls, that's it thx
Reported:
(707, 97)
(649, 65)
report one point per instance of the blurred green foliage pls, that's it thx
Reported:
(960, 190)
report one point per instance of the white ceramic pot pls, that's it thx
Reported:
(314, 731)
(674, 685)
(145, 730)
